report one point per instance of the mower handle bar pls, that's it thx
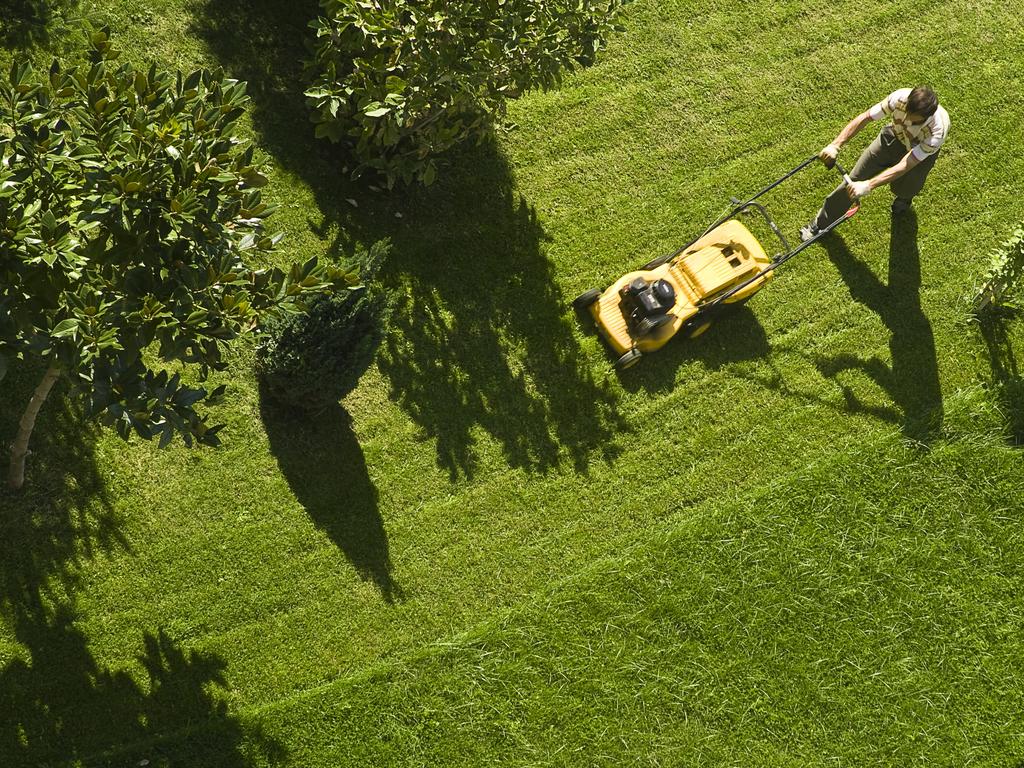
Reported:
(741, 206)
(778, 262)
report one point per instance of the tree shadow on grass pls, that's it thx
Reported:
(28, 23)
(1006, 382)
(324, 465)
(483, 342)
(61, 706)
(912, 378)
(63, 516)
(57, 703)
(264, 43)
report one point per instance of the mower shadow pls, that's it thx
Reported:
(912, 378)
(1006, 381)
(325, 468)
(480, 342)
(735, 336)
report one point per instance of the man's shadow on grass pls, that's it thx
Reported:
(482, 340)
(912, 378)
(324, 465)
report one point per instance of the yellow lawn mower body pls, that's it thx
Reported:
(717, 262)
(681, 291)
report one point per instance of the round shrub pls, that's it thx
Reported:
(310, 360)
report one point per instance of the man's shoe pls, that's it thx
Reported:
(808, 232)
(899, 205)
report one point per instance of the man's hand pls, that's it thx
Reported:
(856, 189)
(829, 154)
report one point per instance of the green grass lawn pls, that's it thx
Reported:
(793, 541)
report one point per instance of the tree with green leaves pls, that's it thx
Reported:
(403, 80)
(127, 208)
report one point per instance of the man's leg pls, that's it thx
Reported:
(910, 184)
(873, 160)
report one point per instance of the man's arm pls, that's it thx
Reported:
(852, 128)
(829, 153)
(857, 189)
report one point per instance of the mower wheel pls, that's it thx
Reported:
(585, 299)
(628, 360)
(692, 332)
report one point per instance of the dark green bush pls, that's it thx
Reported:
(404, 80)
(310, 361)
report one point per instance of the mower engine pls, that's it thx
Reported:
(647, 304)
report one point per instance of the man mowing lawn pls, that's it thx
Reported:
(901, 155)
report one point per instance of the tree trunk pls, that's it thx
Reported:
(19, 450)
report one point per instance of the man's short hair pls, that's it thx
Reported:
(922, 101)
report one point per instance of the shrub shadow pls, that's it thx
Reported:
(912, 378)
(324, 465)
(1006, 381)
(481, 340)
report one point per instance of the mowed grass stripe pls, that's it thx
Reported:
(831, 617)
(723, 414)
(253, 614)
(947, 44)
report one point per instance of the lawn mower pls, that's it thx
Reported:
(681, 292)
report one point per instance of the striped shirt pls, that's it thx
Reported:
(923, 140)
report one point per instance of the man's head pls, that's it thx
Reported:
(921, 104)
